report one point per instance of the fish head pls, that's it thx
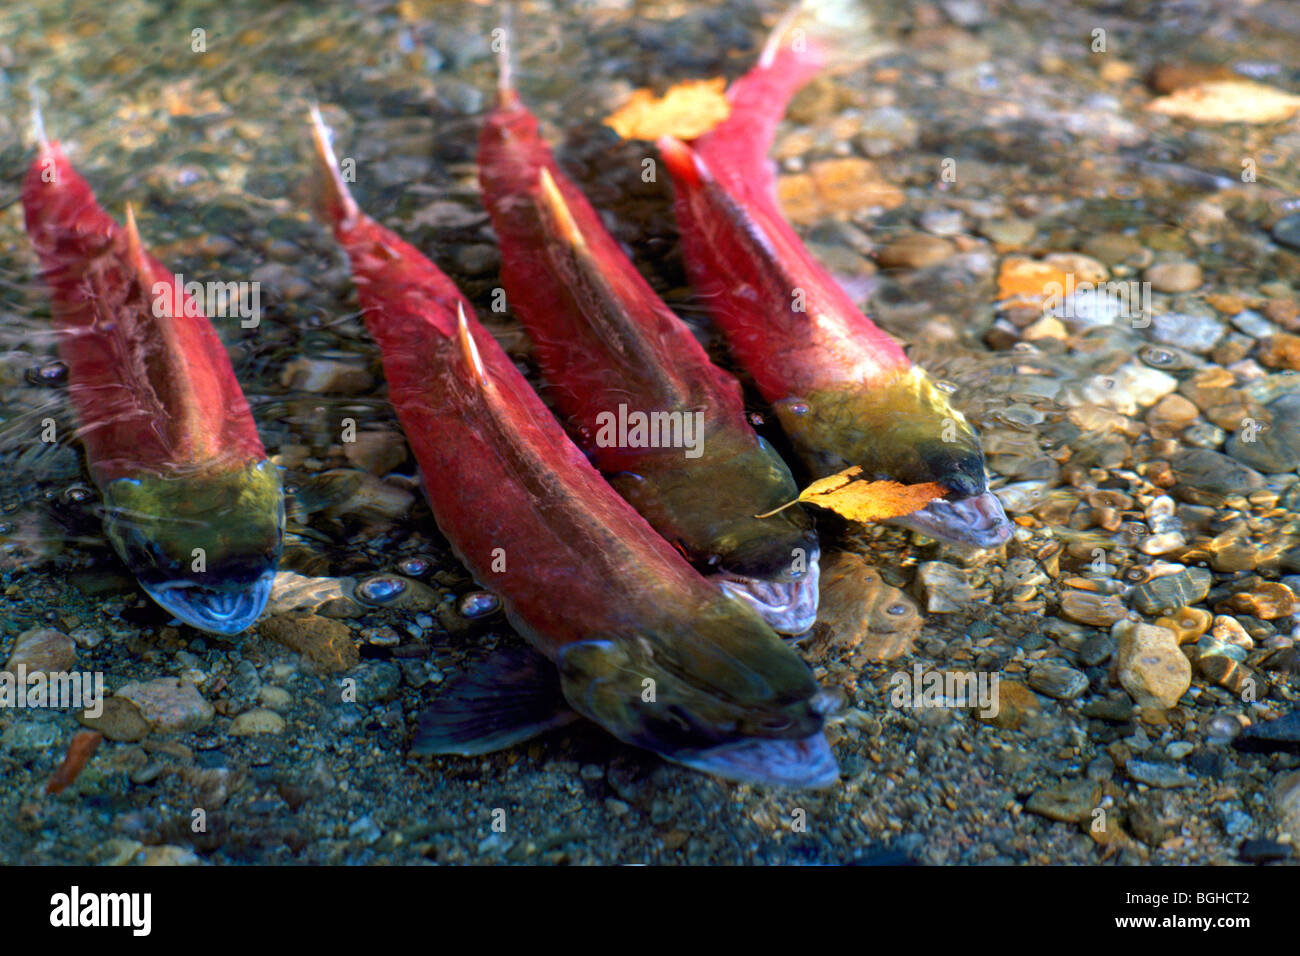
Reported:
(726, 696)
(769, 562)
(204, 546)
(903, 428)
(733, 517)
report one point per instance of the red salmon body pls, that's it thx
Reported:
(844, 391)
(614, 353)
(580, 574)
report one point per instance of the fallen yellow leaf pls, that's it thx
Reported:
(861, 500)
(687, 111)
(1228, 101)
(1028, 282)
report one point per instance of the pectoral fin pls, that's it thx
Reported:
(512, 696)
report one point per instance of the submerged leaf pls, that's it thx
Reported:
(687, 111)
(861, 500)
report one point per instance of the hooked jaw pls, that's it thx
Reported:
(226, 609)
(804, 764)
(787, 602)
(204, 547)
(980, 521)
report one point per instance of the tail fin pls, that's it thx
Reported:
(333, 200)
(839, 34)
(506, 95)
(38, 121)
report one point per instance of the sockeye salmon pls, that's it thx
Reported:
(844, 391)
(614, 353)
(626, 632)
(191, 503)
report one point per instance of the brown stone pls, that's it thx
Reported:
(324, 642)
(860, 615)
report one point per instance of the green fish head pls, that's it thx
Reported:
(726, 696)
(905, 430)
(205, 547)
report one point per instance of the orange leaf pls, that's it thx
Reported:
(860, 500)
(687, 111)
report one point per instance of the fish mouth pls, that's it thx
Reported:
(789, 607)
(806, 764)
(218, 610)
(979, 520)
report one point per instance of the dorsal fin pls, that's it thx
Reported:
(553, 201)
(467, 347)
(38, 121)
(333, 192)
(134, 248)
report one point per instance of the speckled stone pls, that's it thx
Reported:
(168, 704)
(1151, 667)
(1171, 591)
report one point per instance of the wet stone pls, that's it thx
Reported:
(1151, 667)
(1058, 681)
(42, 650)
(1196, 333)
(1274, 448)
(1165, 776)
(1207, 477)
(1282, 734)
(377, 681)
(253, 722)
(1287, 231)
(1016, 704)
(1174, 276)
(1089, 607)
(168, 704)
(120, 720)
(326, 643)
(1069, 802)
(1172, 591)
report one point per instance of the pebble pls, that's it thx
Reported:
(1287, 231)
(1196, 333)
(1207, 477)
(1150, 665)
(1165, 776)
(1187, 623)
(946, 588)
(1071, 801)
(276, 698)
(1280, 351)
(377, 681)
(326, 643)
(1270, 736)
(1263, 851)
(1092, 608)
(168, 704)
(252, 722)
(42, 650)
(942, 221)
(120, 720)
(1267, 601)
(1169, 416)
(1008, 233)
(1097, 650)
(1016, 704)
(1273, 449)
(1058, 681)
(1171, 591)
(1253, 324)
(1286, 801)
(377, 452)
(860, 615)
(1174, 276)
(915, 252)
(328, 376)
